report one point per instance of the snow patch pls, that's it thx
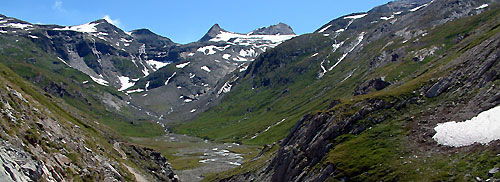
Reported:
(135, 91)
(359, 39)
(168, 79)
(205, 68)
(322, 30)
(483, 128)
(226, 56)
(33, 37)
(62, 60)
(156, 65)
(17, 25)
(315, 54)
(419, 7)
(125, 83)
(192, 111)
(100, 81)
(240, 59)
(243, 68)
(387, 18)
(482, 6)
(209, 48)
(355, 16)
(85, 28)
(180, 66)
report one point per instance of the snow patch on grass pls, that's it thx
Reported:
(180, 66)
(483, 128)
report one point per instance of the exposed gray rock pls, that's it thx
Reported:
(17, 165)
(370, 86)
(438, 88)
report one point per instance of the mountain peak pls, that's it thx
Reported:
(280, 28)
(144, 35)
(212, 32)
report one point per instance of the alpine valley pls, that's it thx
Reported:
(408, 91)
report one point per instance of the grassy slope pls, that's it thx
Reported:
(383, 151)
(295, 91)
(47, 72)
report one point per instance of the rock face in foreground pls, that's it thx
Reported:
(40, 141)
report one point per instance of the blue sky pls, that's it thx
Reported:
(187, 21)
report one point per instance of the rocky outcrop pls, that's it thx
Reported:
(308, 141)
(370, 86)
(17, 165)
(155, 163)
(39, 141)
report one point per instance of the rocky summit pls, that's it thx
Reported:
(407, 91)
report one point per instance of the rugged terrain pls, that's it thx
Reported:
(367, 90)
(356, 100)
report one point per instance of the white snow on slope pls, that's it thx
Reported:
(135, 91)
(240, 59)
(355, 16)
(125, 83)
(226, 87)
(482, 6)
(337, 45)
(180, 66)
(483, 129)
(168, 79)
(85, 28)
(17, 25)
(322, 30)
(246, 39)
(315, 54)
(209, 48)
(205, 68)
(267, 129)
(244, 68)
(246, 53)
(62, 60)
(417, 8)
(100, 81)
(226, 56)
(360, 38)
(156, 64)
(387, 18)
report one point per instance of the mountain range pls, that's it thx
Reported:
(367, 96)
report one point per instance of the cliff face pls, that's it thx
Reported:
(44, 139)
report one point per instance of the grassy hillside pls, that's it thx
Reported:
(57, 79)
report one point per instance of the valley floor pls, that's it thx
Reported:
(194, 158)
